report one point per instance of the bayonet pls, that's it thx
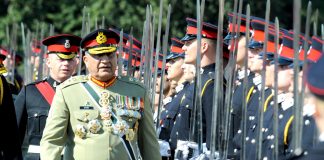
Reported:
(120, 53)
(218, 96)
(298, 117)
(275, 97)
(262, 98)
(164, 52)
(157, 51)
(245, 82)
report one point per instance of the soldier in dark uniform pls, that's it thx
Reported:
(34, 101)
(175, 60)
(208, 48)
(254, 93)
(315, 84)
(9, 136)
(236, 111)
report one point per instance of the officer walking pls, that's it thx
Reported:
(34, 101)
(100, 116)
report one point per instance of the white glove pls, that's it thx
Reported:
(165, 150)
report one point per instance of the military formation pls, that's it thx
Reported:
(249, 91)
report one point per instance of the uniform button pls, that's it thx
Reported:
(263, 130)
(305, 153)
(254, 91)
(162, 125)
(232, 110)
(271, 103)
(35, 115)
(179, 115)
(272, 146)
(280, 116)
(268, 137)
(235, 150)
(253, 141)
(265, 158)
(253, 126)
(177, 133)
(272, 136)
(239, 131)
(307, 122)
(187, 106)
(266, 130)
(166, 111)
(247, 138)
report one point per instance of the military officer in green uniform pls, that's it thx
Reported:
(100, 116)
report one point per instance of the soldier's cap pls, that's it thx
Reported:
(3, 53)
(208, 30)
(258, 27)
(233, 27)
(175, 49)
(315, 78)
(315, 51)
(126, 39)
(64, 46)
(100, 41)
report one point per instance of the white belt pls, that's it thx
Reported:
(33, 149)
(37, 149)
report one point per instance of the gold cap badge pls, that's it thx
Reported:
(101, 38)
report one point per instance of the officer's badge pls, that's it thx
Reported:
(104, 99)
(67, 44)
(101, 38)
(121, 127)
(80, 131)
(130, 135)
(94, 126)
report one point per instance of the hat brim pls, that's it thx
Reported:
(188, 37)
(66, 56)
(269, 56)
(175, 55)
(255, 45)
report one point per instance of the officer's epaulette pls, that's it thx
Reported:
(74, 80)
(131, 80)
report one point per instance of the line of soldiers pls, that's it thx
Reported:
(103, 115)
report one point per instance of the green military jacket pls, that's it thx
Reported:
(96, 123)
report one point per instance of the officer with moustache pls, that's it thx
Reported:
(100, 116)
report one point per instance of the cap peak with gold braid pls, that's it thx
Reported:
(64, 46)
(100, 41)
